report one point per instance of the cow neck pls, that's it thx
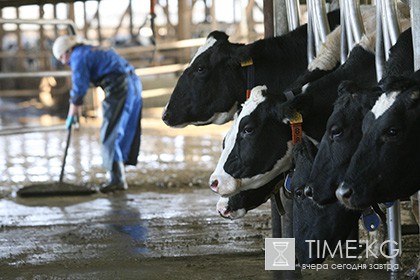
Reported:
(250, 75)
(295, 121)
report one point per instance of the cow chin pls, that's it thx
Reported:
(353, 201)
(224, 117)
(220, 117)
(223, 209)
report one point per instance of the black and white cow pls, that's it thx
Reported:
(248, 164)
(344, 126)
(211, 89)
(258, 146)
(385, 165)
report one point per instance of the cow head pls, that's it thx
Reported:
(330, 224)
(385, 165)
(236, 206)
(205, 92)
(342, 135)
(257, 148)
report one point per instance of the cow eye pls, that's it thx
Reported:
(335, 132)
(201, 69)
(248, 130)
(392, 132)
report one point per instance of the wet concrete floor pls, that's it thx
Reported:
(164, 227)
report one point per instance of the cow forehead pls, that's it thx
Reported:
(383, 103)
(256, 98)
(253, 101)
(208, 44)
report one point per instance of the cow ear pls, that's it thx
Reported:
(397, 83)
(241, 54)
(218, 35)
(302, 103)
(348, 87)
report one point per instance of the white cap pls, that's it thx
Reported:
(62, 44)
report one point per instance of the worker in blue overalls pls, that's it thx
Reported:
(121, 127)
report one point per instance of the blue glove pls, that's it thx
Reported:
(70, 121)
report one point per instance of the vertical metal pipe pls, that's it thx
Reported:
(379, 45)
(311, 39)
(293, 15)
(392, 20)
(280, 18)
(356, 19)
(349, 33)
(415, 29)
(382, 48)
(394, 234)
(387, 40)
(269, 32)
(343, 39)
(415, 23)
(321, 20)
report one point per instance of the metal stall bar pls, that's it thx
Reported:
(291, 9)
(322, 25)
(269, 26)
(388, 28)
(344, 50)
(275, 11)
(385, 31)
(356, 20)
(379, 45)
(311, 34)
(347, 23)
(318, 26)
(352, 28)
(293, 15)
(392, 20)
(415, 29)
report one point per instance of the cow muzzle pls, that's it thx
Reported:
(344, 194)
(224, 184)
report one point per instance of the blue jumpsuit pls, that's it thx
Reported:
(121, 126)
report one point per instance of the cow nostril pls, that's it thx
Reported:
(214, 185)
(346, 193)
(308, 191)
(343, 192)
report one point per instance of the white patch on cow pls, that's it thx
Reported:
(208, 44)
(222, 206)
(224, 117)
(383, 103)
(368, 42)
(217, 118)
(329, 52)
(227, 185)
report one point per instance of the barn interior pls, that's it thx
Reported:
(165, 226)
